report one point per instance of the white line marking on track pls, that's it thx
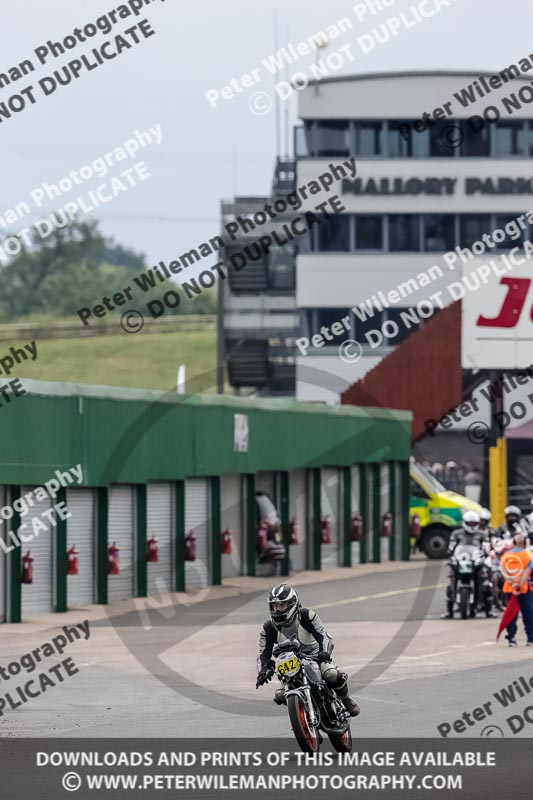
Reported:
(362, 597)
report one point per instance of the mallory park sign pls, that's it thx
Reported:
(437, 186)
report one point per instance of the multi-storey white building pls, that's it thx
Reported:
(422, 188)
(430, 177)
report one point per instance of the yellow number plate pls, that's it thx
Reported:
(286, 667)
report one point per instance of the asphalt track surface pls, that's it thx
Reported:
(190, 671)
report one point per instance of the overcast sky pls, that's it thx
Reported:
(206, 153)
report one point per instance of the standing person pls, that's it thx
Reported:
(517, 566)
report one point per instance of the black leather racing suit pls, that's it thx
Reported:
(309, 629)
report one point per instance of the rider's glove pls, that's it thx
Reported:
(264, 676)
(323, 657)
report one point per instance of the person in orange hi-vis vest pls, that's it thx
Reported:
(517, 567)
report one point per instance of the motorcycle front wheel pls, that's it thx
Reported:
(305, 734)
(464, 601)
(341, 742)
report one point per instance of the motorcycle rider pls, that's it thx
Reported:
(527, 523)
(288, 619)
(493, 557)
(484, 523)
(470, 533)
(512, 525)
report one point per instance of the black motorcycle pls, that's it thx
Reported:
(471, 588)
(313, 706)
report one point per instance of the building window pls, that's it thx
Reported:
(364, 327)
(327, 317)
(332, 138)
(282, 269)
(303, 140)
(404, 142)
(529, 138)
(514, 234)
(400, 327)
(439, 232)
(369, 232)
(475, 143)
(399, 139)
(404, 232)
(368, 136)
(333, 234)
(472, 227)
(509, 139)
(444, 138)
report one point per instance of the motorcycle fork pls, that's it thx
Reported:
(305, 693)
(310, 706)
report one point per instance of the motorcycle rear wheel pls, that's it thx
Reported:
(341, 742)
(305, 734)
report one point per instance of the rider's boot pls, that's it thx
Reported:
(351, 706)
(489, 613)
(348, 702)
(449, 610)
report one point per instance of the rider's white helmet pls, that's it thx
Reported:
(471, 522)
(512, 515)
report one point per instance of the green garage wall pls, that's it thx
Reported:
(130, 436)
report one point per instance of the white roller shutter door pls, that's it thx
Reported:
(385, 506)
(81, 532)
(197, 520)
(3, 562)
(356, 509)
(232, 514)
(330, 504)
(121, 529)
(297, 509)
(38, 597)
(160, 523)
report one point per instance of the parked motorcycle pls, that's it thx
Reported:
(471, 586)
(312, 705)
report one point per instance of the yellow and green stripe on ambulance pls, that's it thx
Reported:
(434, 511)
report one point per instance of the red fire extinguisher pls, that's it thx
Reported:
(27, 569)
(386, 524)
(152, 554)
(357, 527)
(415, 526)
(225, 545)
(295, 530)
(113, 553)
(326, 530)
(73, 560)
(262, 535)
(190, 547)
